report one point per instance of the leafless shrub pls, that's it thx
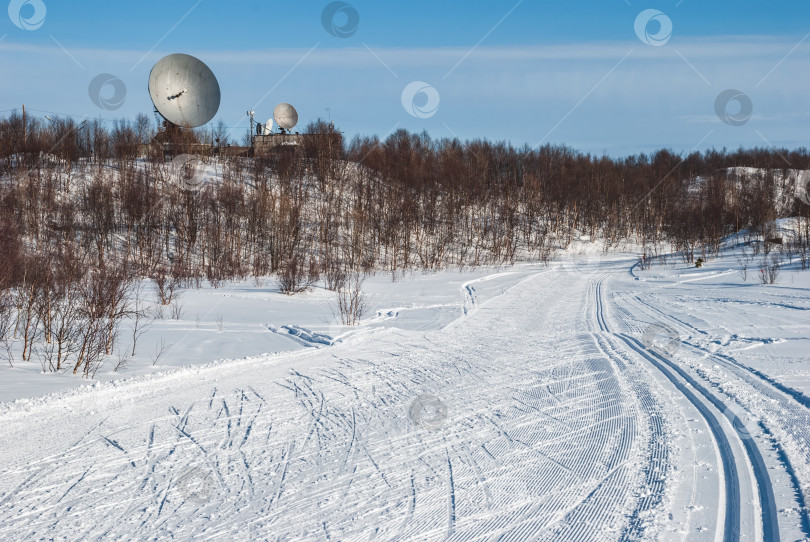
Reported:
(645, 261)
(220, 325)
(769, 271)
(65, 321)
(295, 276)
(744, 260)
(141, 319)
(177, 310)
(801, 243)
(167, 284)
(27, 299)
(547, 253)
(743, 270)
(336, 276)
(122, 363)
(351, 301)
(119, 301)
(160, 350)
(103, 298)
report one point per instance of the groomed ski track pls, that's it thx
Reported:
(559, 423)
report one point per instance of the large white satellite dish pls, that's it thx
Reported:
(184, 90)
(286, 116)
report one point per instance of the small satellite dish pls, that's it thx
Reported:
(268, 127)
(286, 116)
(184, 90)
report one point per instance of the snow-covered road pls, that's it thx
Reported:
(548, 412)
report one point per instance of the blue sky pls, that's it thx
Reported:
(534, 72)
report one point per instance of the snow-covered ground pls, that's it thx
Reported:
(252, 318)
(587, 400)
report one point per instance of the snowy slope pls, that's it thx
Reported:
(577, 402)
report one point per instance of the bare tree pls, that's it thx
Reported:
(66, 323)
(6, 323)
(141, 317)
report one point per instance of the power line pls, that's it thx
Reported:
(212, 126)
(69, 115)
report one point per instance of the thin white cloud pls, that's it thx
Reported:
(731, 47)
(510, 93)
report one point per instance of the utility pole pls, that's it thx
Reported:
(25, 131)
(252, 115)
